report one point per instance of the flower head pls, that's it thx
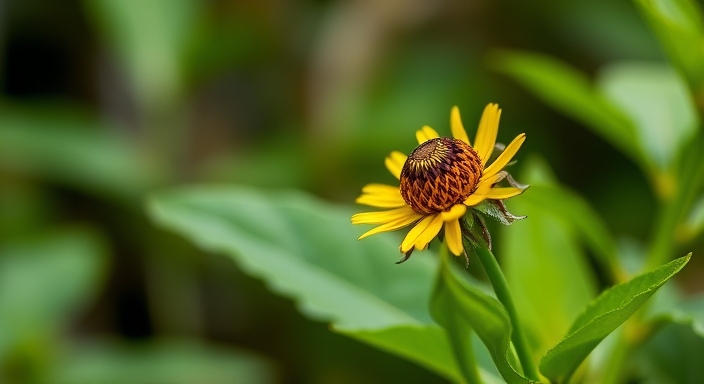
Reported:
(445, 184)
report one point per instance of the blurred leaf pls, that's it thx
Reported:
(657, 101)
(225, 40)
(570, 92)
(546, 269)
(601, 317)
(483, 313)
(150, 36)
(399, 104)
(308, 250)
(694, 222)
(678, 26)
(174, 361)
(675, 309)
(44, 281)
(673, 355)
(445, 313)
(689, 178)
(73, 150)
(427, 345)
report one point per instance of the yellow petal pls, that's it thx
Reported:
(505, 156)
(457, 211)
(384, 216)
(426, 133)
(390, 226)
(381, 190)
(453, 237)
(486, 182)
(480, 194)
(486, 134)
(474, 200)
(382, 196)
(458, 131)
(394, 163)
(503, 193)
(381, 201)
(429, 233)
(420, 232)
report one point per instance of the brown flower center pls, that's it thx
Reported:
(439, 174)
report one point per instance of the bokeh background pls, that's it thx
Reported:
(105, 101)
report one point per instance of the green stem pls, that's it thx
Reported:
(498, 281)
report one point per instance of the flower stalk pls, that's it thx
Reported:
(498, 282)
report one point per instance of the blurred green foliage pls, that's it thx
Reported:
(106, 102)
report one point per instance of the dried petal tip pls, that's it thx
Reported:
(440, 173)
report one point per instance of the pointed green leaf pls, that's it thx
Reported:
(455, 302)
(308, 250)
(603, 315)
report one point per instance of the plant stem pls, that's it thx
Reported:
(498, 281)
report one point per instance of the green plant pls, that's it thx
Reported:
(431, 313)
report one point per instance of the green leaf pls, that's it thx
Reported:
(428, 345)
(672, 355)
(460, 307)
(654, 97)
(44, 281)
(580, 217)
(601, 317)
(678, 26)
(694, 222)
(548, 244)
(689, 311)
(308, 250)
(459, 331)
(164, 361)
(570, 92)
(68, 148)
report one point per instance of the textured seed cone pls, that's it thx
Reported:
(440, 173)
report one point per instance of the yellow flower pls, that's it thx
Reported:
(439, 181)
